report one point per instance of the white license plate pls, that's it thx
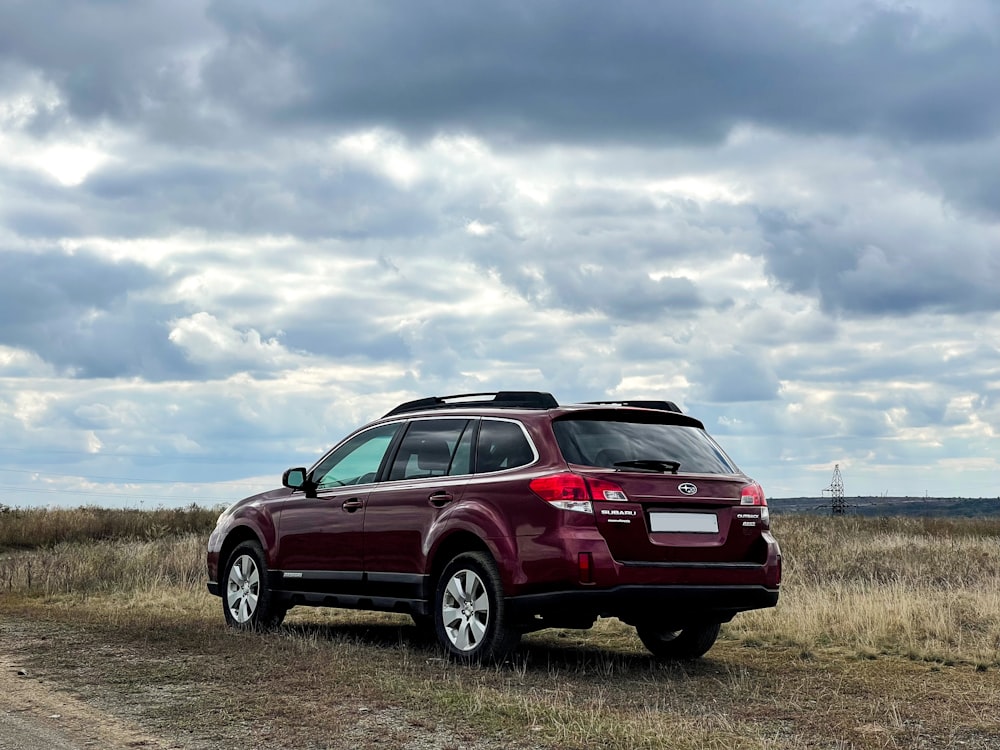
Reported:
(698, 523)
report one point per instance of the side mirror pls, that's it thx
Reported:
(294, 478)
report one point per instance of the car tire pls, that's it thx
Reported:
(247, 601)
(469, 616)
(689, 643)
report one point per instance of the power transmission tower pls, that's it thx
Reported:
(836, 489)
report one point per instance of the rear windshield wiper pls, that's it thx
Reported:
(651, 464)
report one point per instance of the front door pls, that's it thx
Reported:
(321, 539)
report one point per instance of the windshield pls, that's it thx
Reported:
(605, 442)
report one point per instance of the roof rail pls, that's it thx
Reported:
(498, 400)
(659, 405)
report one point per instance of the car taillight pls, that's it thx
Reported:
(601, 489)
(571, 491)
(753, 494)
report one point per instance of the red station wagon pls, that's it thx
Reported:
(485, 516)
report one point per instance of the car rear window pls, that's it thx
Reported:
(603, 442)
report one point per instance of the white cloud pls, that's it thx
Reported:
(70, 163)
(68, 156)
(478, 229)
(21, 363)
(384, 152)
(207, 340)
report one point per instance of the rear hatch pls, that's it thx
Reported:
(663, 490)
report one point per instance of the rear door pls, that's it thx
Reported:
(683, 495)
(427, 475)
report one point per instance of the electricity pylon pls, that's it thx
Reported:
(836, 489)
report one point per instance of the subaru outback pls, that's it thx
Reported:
(486, 516)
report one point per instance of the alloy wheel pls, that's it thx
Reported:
(465, 609)
(243, 589)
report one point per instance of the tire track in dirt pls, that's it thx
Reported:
(36, 715)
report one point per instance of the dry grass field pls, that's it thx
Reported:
(887, 636)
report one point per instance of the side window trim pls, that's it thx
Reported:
(390, 454)
(474, 458)
(472, 430)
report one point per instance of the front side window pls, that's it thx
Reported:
(357, 461)
(502, 445)
(605, 442)
(429, 450)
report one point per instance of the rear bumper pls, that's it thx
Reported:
(673, 606)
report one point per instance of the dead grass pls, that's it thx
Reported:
(30, 528)
(123, 566)
(926, 590)
(887, 636)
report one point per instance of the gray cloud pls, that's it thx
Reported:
(139, 64)
(305, 201)
(851, 272)
(735, 375)
(74, 311)
(35, 287)
(635, 70)
(969, 176)
(345, 332)
(631, 71)
(622, 294)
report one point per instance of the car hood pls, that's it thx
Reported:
(261, 497)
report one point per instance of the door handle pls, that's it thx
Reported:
(353, 504)
(441, 499)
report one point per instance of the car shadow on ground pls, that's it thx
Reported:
(533, 655)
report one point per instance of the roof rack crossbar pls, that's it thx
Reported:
(497, 399)
(640, 404)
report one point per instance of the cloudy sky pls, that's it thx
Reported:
(231, 231)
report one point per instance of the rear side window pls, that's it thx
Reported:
(428, 448)
(603, 442)
(502, 445)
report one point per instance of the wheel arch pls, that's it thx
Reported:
(473, 527)
(234, 538)
(449, 547)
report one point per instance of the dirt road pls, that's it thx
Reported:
(34, 715)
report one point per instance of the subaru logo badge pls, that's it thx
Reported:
(688, 489)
